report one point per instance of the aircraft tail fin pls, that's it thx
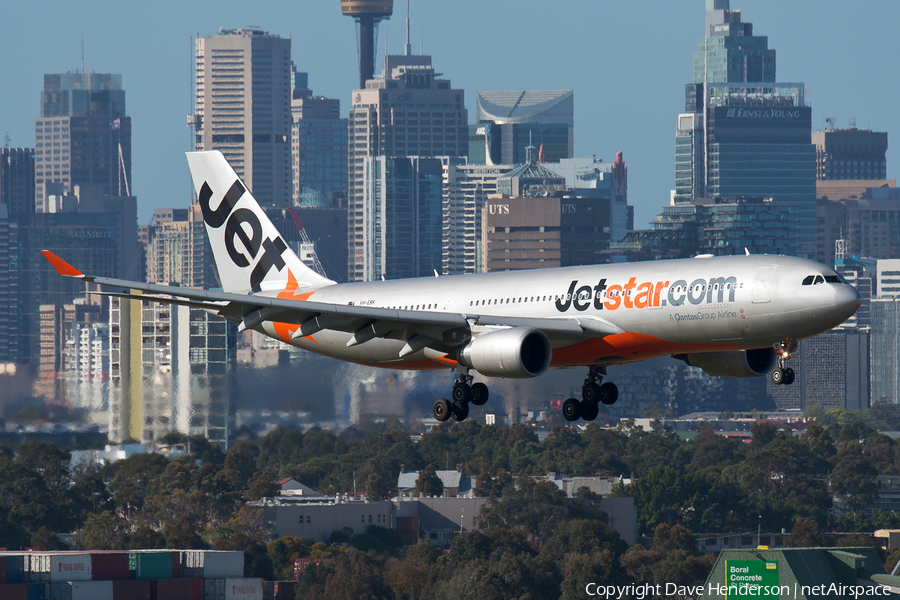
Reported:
(250, 254)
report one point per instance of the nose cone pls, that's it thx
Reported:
(846, 301)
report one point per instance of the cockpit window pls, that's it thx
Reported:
(808, 279)
(832, 279)
(819, 280)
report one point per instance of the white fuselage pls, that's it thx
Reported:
(660, 307)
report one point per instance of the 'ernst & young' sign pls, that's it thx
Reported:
(763, 113)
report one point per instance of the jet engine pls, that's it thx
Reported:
(734, 363)
(517, 352)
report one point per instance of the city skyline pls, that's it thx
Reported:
(626, 97)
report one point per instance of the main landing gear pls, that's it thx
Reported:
(593, 392)
(464, 392)
(782, 375)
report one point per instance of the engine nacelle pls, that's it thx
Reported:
(517, 352)
(734, 363)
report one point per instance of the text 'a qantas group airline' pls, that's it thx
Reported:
(732, 316)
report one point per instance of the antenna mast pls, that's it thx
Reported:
(408, 47)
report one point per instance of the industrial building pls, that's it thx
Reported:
(800, 573)
(243, 108)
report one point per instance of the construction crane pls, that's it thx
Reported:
(305, 241)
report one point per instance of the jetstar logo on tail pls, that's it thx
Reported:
(646, 294)
(252, 242)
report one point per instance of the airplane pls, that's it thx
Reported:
(732, 316)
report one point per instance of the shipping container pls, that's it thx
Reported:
(92, 590)
(244, 589)
(179, 589)
(58, 591)
(135, 589)
(14, 569)
(109, 566)
(214, 589)
(152, 564)
(282, 590)
(36, 568)
(70, 567)
(212, 563)
(21, 591)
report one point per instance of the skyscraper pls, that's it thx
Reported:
(83, 136)
(514, 120)
(466, 189)
(172, 369)
(408, 111)
(729, 52)
(742, 134)
(318, 149)
(402, 207)
(17, 180)
(243, 108)
(850, 154)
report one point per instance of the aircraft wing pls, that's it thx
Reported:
(366, 322)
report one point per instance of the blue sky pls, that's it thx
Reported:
(627, 62)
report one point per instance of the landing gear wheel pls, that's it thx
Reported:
(460, 412)
(462, 393)
(441, 409)
(591, 393)
(778, 375)
(609, 393)
(589, 410)
(571, 409)
(479, 394)
(788, 376)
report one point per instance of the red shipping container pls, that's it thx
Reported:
(133, 589)
(14, 591)
(109, 566)
(178, 589)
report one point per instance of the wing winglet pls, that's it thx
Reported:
(61, 266)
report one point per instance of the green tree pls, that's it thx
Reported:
(534, 507)
(262, 486)
(378, 489)
(282, 552)
(601, 567)
(44, 539)
(428, 483)
(852, 481)
(131, 479)
(358, 576)
(102, 532)
(805, 534)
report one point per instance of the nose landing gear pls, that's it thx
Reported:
(782, 375)
(464, 392)
(593, 392)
